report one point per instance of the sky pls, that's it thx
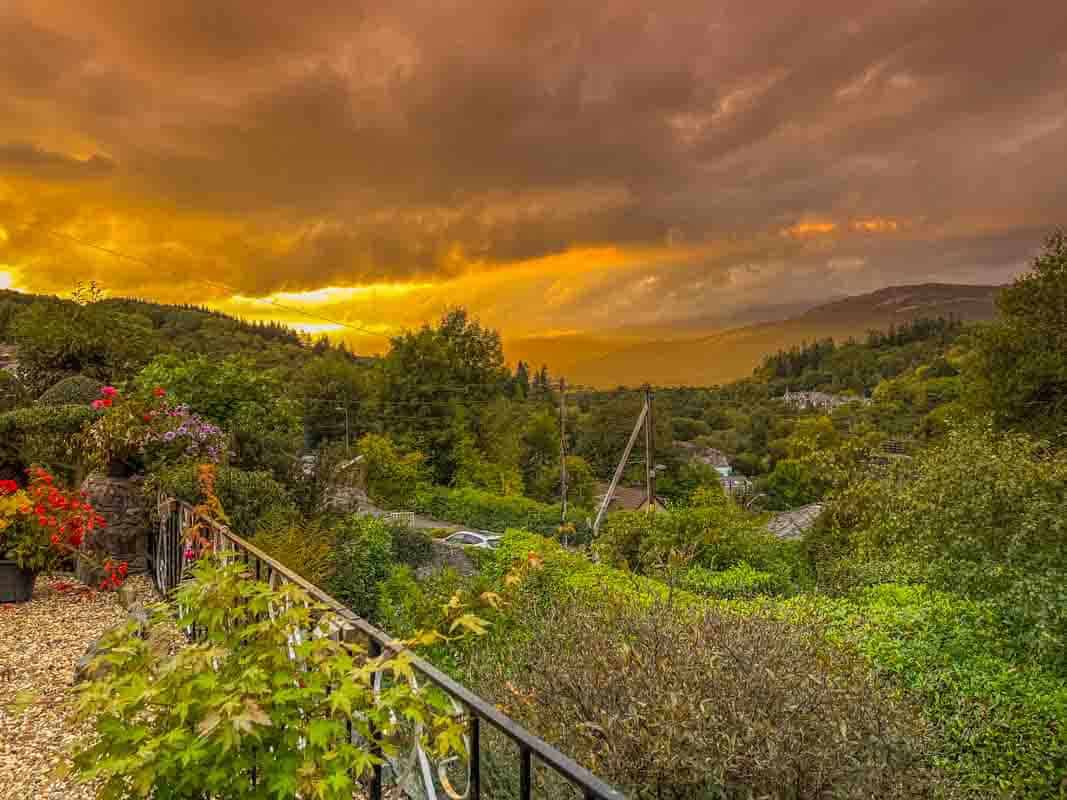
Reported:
(555, 167)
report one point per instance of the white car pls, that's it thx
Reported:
(473, 539)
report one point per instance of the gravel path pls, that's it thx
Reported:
(40, 643)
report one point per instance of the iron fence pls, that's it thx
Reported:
(168, 567)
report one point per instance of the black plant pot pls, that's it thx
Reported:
(117, 468)
(16, 584)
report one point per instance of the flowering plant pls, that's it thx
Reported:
(43, 524)
(149, 430)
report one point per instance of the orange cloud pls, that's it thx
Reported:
(876, 225)
(805, 229)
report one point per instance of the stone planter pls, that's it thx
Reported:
(16, 585)
(121, 502)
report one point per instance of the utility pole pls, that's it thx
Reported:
(622, 466)
(348, 434)
(650, 458)
(563, 450)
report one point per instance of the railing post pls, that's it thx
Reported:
(374, 649)
(475, 758)
(525, 770)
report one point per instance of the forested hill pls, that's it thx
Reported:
(733, 354)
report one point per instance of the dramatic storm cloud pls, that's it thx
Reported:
(556, 166)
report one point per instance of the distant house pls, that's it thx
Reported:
(627, 498)
(706, 455)
(819, 401)
(795, 523)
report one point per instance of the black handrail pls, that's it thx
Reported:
(478, 709)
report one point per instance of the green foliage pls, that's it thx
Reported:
(664, 703)
(252, 696)
(1019, 368)
(713, 537)
(13, 393)
(411, 547)
(362, 557)
(433, 378)
(982, 513)
(492, 512)
(739, 580)
(998, 716)
(247, 497)
(392, 476)
(45, 435)
(214, 388)
(75, 390)
(57, 338)
(687, 429)
(305, 546)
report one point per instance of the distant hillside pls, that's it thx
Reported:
(734, 353)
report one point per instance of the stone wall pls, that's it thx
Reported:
(121, 502)
(446, 555)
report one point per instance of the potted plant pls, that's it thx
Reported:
(147, 430)
(40, 527)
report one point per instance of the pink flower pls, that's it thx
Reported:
(98, 404)
(109, 391)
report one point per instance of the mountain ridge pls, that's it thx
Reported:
(733, 353)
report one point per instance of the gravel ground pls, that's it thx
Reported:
(40, 643)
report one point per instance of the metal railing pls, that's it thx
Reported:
(167, 561)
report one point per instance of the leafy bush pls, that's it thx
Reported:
(362, 559)
(75, 390)
(714, 537)
(998, 715)
(492, 512)
(412, 547)
(392, 476)
(251, 710)
(44, 435)
(669, 704)
(740, 580)
(980, 514)
(247, 497)
(305, 546)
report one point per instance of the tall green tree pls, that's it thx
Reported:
(1019, 368)
(435, 382)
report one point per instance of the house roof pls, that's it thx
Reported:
(626, 498)
(795, 523)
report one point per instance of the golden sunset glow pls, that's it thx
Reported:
(557, 172)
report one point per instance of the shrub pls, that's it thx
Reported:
(247, 497)
(714, 537)
(254, 709)
(740, 580)
(305, 546)
(362, 559)
(392, 476)
(412, 547)
(492, 512)
(998, 715)
(75, 390)
(44, 435)
(668, 704)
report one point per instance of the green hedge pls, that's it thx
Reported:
(43, 435)
(491, 512)
(246, 497)
(75, 390)
(740, 580)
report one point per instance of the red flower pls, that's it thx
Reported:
(109, 391)
(147, 417)
(8, 487)
(106, 402)
(159, 391)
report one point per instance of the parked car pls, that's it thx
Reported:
(474, 539)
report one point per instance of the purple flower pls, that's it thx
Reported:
(169, 436)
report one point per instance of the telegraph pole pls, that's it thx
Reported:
(563, 450)
(650, 459)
